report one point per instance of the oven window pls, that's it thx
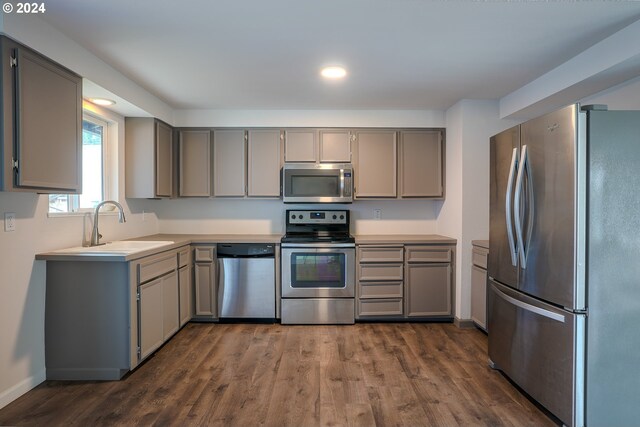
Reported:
(314, 270)
(315, 185)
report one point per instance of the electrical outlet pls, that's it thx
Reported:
(9, 221)
(377, 213)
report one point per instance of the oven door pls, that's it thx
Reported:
(311, 272)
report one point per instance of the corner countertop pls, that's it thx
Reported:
(481, 243)
(410, 239)
(180, 240)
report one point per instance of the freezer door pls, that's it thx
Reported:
(534, 344)
(546, 184)
(504, 157)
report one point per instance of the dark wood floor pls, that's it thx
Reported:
(423, 374)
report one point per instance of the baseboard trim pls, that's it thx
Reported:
(464, 323)
(21, 388)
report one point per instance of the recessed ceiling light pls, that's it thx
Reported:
(333, 72)
(102, 101)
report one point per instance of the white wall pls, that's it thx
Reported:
(464, 214)
(22, 284)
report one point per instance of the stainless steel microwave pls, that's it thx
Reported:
(317, 183)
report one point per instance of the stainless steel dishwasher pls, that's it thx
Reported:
(246, 281)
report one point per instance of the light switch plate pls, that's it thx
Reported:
(377, 213)
(9, 221)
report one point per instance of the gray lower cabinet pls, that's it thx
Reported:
(151, 317)
(103, 318)
(158, 301)
(186, 290)
(380, 290)
(195, 163)
(479, 256)
(149, 160)
(206, 307)
(428, 281)
(404, 281)
(41, 123)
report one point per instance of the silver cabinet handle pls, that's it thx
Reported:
(528, 307)
(508, 207)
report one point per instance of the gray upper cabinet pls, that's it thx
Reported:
(149, 158)
(421, 164)
(264, 162)
(301, 145)
(195, 163)
(229, 155)
(41, 123)
(375, 164)
(335, 146)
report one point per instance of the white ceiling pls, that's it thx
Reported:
(400, 54)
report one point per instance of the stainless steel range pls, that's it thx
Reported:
(318, 268)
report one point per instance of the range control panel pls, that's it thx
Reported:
(317, 217)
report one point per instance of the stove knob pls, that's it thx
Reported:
(335, 217)
(293, 217)
(341, 216)
(299, 216)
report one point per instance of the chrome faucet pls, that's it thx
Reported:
(95, 234)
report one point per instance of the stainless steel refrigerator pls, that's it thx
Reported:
(564, 264)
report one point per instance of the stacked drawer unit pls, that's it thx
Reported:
(380, 290)
(479, 256)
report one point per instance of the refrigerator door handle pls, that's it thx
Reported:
(509, 208)
(529, 307)
(517, 204)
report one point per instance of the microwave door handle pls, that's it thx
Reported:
(341, 182)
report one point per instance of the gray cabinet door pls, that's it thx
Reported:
(229, 156)
(195, 163)
(479, 296)
(151, 317)
(48, 121)
(186, 289)
(264, 162)
(205, 281)
(375, 164)
(335, 146)
(300, 145)
(421, 164)
(170, 305)
(428, 290)
(164, 160)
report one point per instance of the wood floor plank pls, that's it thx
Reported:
(388, 374)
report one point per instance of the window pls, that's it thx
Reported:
(94, 170)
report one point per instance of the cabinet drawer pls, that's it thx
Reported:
(377, 272)
(479, 257)
(380, 254)
(204, 253)
(368, 290)
(156, 265)
(428, 254)
(184, 256)
(380, 307)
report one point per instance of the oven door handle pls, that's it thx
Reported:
(317, 246)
